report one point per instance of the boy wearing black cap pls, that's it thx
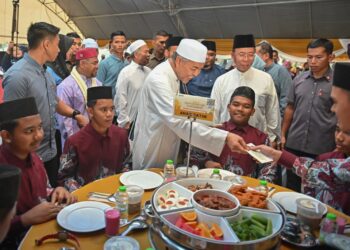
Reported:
(21, 131)
(328, 176)
(241, 108)
(10, 177)
(99, 149)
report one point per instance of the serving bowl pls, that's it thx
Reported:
(215, 202)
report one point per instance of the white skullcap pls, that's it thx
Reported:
(135, 46)
(192, 50)
(90, 43)
(1, 72)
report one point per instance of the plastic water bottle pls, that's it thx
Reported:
(328, 226)
(122, 204)
(263, 187)
(216, 174)
(169, 171)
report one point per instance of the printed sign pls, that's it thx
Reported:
(188, 106)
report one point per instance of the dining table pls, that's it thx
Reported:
(96, 240)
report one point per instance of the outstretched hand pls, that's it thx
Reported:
(269, 151)
(236, 143)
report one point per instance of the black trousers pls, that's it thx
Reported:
(51, 167)
(294, 181)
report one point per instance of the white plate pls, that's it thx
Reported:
(206, 172)
(142, 178)
(83, 217)
(288, 200)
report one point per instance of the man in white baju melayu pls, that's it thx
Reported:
(267, 114)
(157, 132)
(130, 82)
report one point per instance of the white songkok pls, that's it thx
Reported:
(90, 43)
(192, 50)
(136, 45)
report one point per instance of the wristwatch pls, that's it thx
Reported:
(61, 236)
(75, 113)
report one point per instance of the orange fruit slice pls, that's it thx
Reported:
(189, 216)
(216, 231)
(204, 230)
(192, 224)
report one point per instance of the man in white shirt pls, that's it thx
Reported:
(130, 82)
(157, 132)
(267, 115)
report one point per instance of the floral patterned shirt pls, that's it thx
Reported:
(327, 178)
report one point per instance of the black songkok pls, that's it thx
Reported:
(341, 76)
(18, 108)
(243, 41)
(10, 177)
(244, 91)
(211, 45)
(101, 92)
(173, 41)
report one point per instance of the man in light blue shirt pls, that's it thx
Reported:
(203, 83)
(279, 74)
(110, 68)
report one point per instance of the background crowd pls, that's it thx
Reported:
(67, 118)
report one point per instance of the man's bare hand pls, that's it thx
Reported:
(43, 212)
(283, 141)
(212, 164)
(82, 120)
(60, 195)
(236, 143)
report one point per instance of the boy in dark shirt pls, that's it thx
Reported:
(241, 108)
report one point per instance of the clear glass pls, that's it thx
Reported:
(135, 194)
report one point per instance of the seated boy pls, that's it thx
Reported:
(21, 131)
(241, 108)
(97, 150)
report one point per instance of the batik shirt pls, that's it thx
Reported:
(88, 156)
(327, 178)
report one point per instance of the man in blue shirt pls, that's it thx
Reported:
(279, 74)
(203, 83)
(110, 68)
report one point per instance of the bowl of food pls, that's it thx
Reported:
(215, 202)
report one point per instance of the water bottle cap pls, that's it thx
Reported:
(263, 183)
(216, 171)
(169, 162)
(122, 189)
(331, 216)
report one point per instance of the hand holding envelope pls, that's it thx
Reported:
(264, 154)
